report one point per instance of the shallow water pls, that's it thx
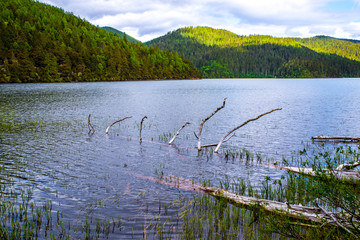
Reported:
(48, 147)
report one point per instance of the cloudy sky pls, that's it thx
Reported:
(146, 20)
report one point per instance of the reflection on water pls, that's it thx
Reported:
(47, 146)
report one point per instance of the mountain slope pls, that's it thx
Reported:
(41, 43)
(219, 53)
(120, 34)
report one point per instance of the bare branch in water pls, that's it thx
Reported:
(91, 128)
(141, 125)
(243, 124)
(107, 129)
(178, 132)
(203, 122)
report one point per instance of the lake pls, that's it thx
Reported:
(45, 145)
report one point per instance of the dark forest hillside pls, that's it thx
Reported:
(222, 54)
(42, 43)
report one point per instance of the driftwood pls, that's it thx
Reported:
(178, 132)
(107, 129)
(203, 122)
(335, 139)
(91, 128)
(243, 124)
(344, 175)
(141, 125)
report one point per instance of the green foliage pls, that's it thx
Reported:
(42, 43)
(219, 53)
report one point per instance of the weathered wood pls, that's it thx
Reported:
(345, 175)
(332, 216)
(336, 138)
(347, 166)
(91, 128)
(243, 124)
(141, 125)
(198, 136)
(107, 129)
(178, 132)
(296, 211)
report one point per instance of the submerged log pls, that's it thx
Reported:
(313, 214)
(203, 122)
(243, 124)
(335, 139)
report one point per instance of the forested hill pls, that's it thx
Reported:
(220, 53)
(42, 43)
(120, 34)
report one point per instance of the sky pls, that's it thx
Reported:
(146, 20)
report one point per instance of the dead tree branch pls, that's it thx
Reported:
(215, 144)
(141, 125)
(331, 215)
(107, 129)
(236, 128)
(178, 132)
(91, 128)
(203, 122)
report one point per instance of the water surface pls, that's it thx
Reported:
(48, 147)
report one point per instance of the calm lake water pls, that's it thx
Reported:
(48, 148)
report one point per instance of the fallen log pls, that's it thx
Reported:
(335, 139)
(312, 214)
(347, 166)
(344, 175)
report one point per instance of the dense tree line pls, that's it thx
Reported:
(42, 43)
(219, 53)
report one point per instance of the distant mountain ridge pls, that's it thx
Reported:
(219, 53)
(120, 34)
(42, 43)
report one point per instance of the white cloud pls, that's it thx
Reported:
(145, 20)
